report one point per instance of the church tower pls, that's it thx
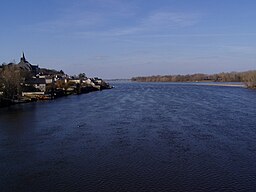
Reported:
(24, 64)
(23, 59)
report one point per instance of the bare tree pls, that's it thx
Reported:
(11, 78)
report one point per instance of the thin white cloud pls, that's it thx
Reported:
(71, 22)
(99, 58)
(199, 35)
(113, 18)
(170, 20)
(158, 22)
(239, 49)
(86, 16)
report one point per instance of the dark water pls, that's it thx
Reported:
(136, 137)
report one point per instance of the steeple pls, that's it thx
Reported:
(23, 59)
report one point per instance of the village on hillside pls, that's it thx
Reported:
(25, 82)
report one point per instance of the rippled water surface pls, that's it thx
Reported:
(136, 137)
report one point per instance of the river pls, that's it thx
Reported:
(135, 137)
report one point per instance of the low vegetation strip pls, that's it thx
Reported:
(248, 78)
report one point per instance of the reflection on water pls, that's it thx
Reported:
(136, 137)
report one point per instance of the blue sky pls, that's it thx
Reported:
(126, 38)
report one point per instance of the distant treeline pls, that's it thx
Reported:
(249, 77)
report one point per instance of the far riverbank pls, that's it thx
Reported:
(246, 79)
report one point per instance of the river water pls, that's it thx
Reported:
(135, 137)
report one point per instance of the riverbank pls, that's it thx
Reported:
(248, 78)
(25, 82)
(58, 93)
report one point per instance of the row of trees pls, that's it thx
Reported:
(249, 77)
